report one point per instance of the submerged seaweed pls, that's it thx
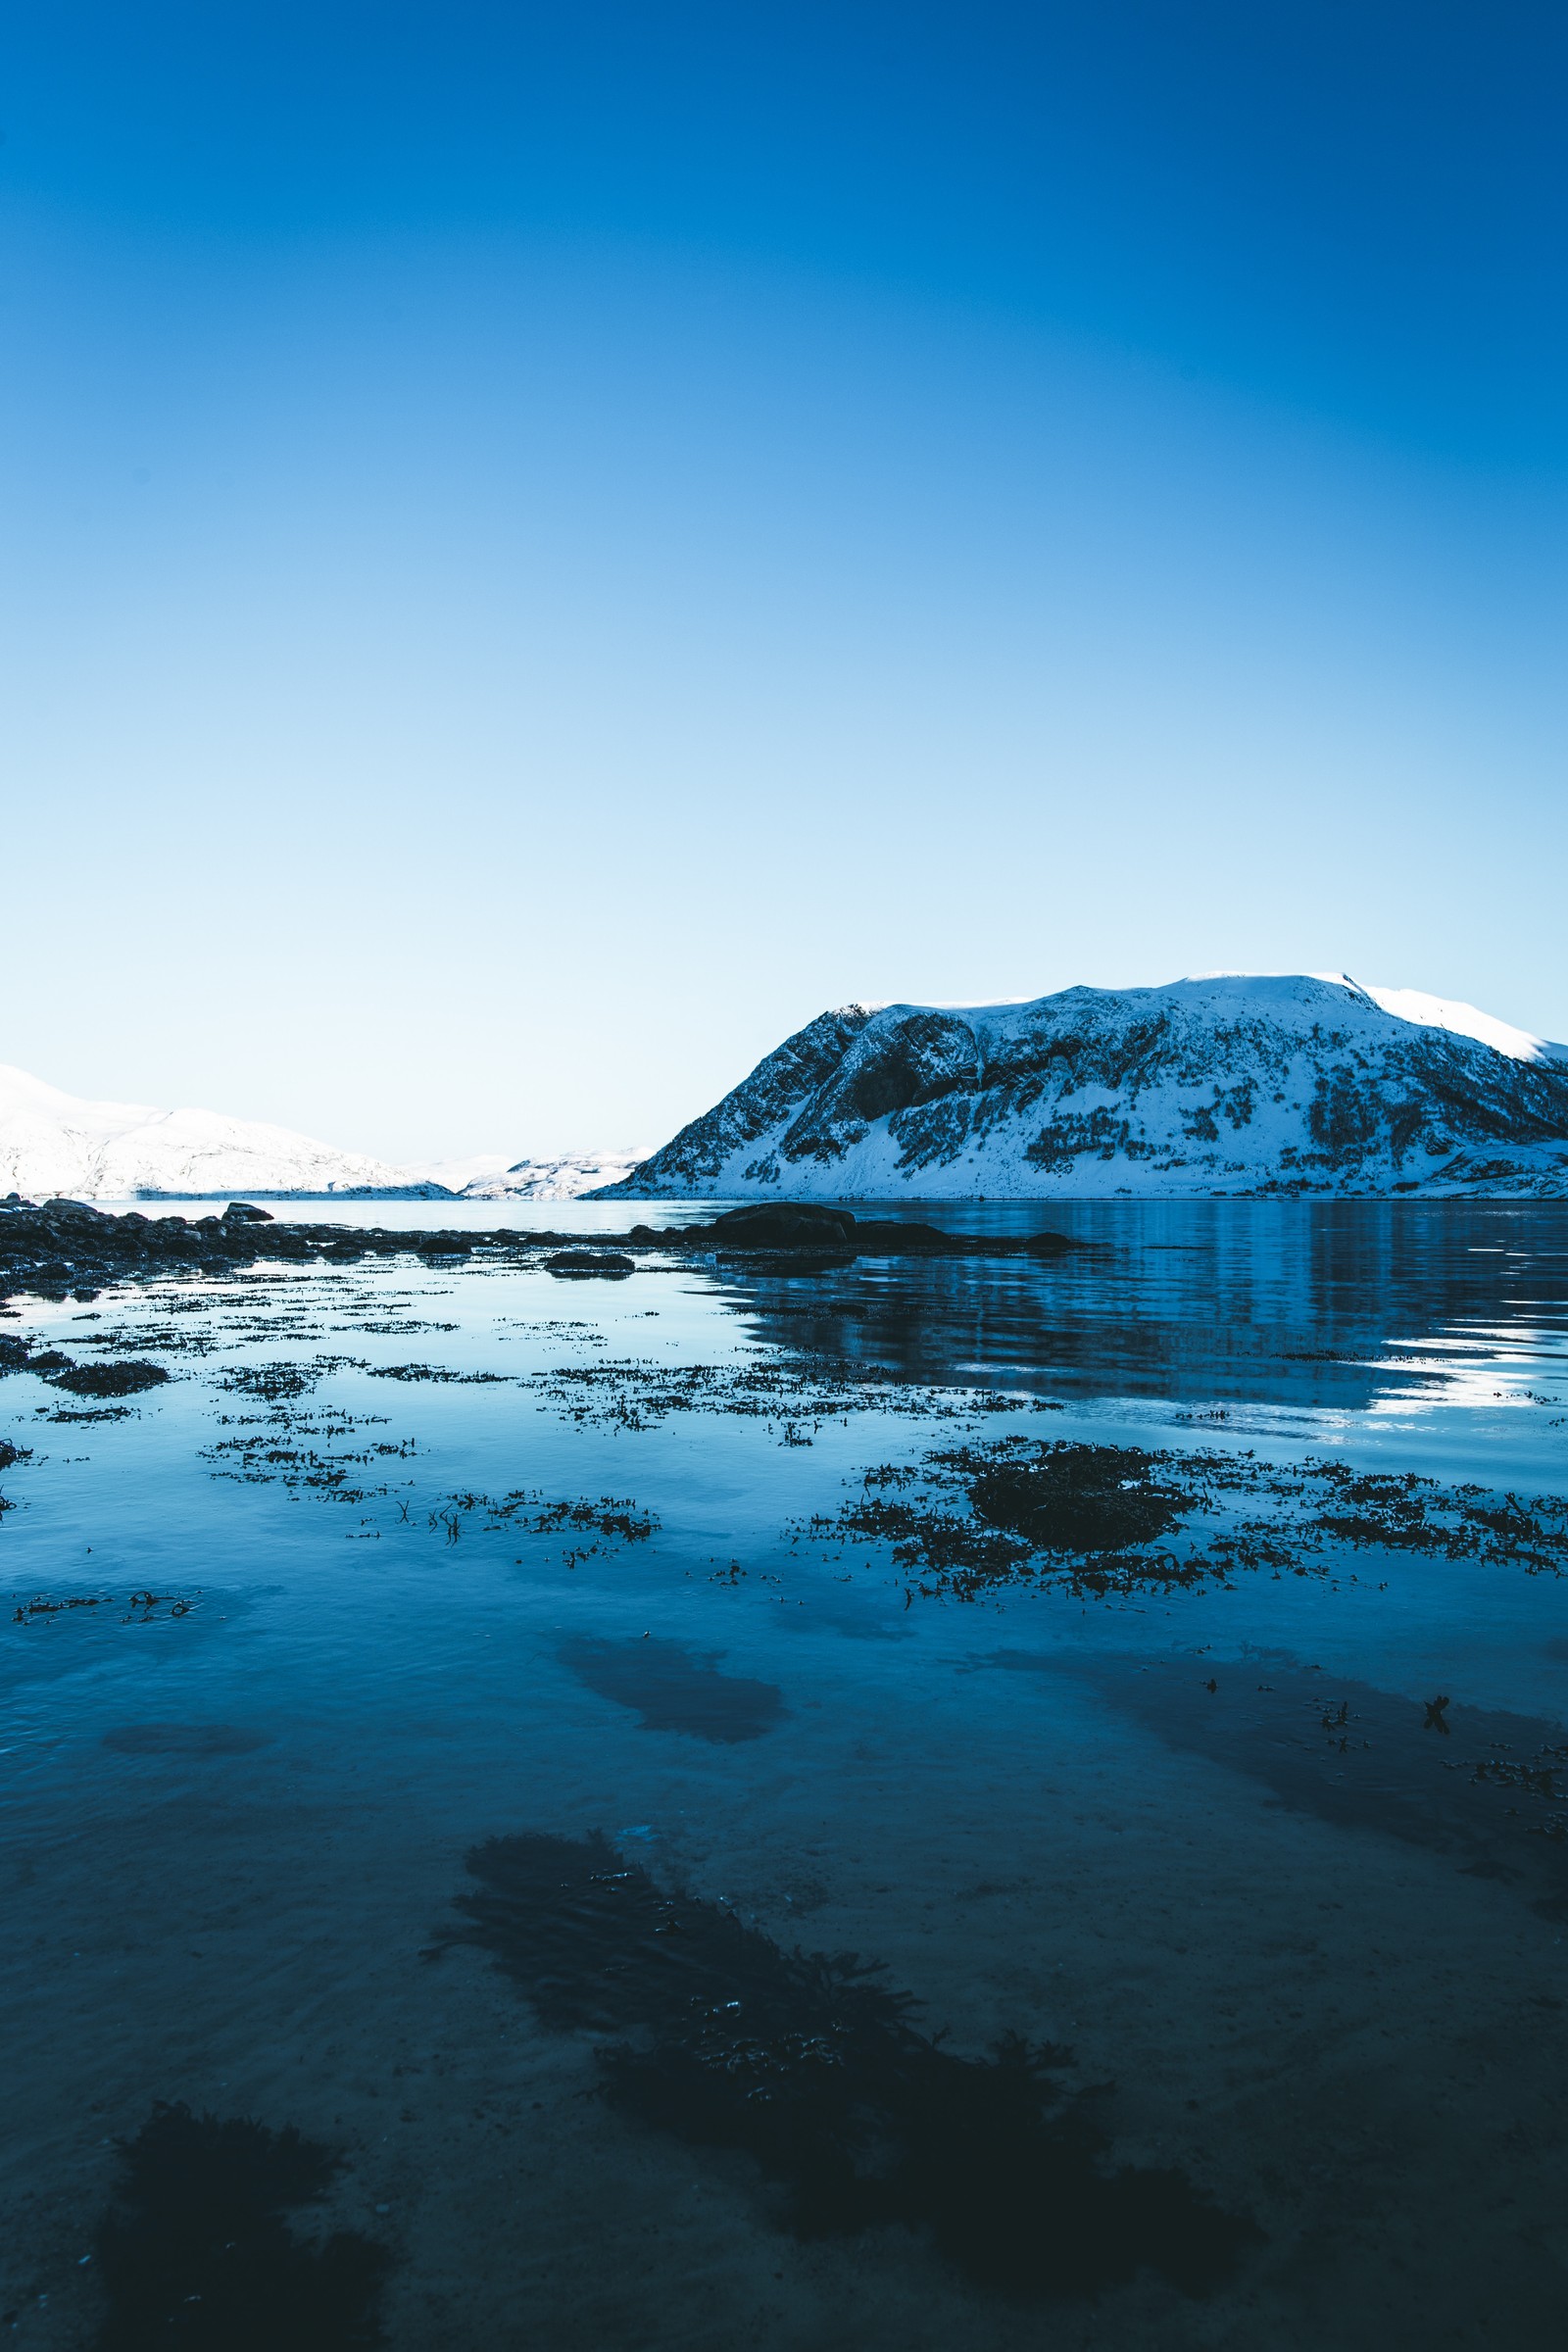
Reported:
(1073, 1498)
(967, 1519)
(674, 1688)
(810, 2064)
(196, 2251)
(795, 1392)
(9, 1455)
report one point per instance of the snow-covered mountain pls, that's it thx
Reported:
(458, 1175)
(565, 1179)
(1231, 1083)
(53, 1143)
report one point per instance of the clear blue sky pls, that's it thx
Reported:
(540, 546)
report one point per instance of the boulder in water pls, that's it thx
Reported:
(574, 1265)
(784, 1225)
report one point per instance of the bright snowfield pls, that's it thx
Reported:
(53, 1143)
(489, 1176)
(565, 1179)
(1232, 1083)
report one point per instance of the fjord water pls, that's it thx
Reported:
(244, 1808)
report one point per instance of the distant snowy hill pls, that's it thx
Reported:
(1232, 1083)
(457, 1175)
(53, 1143)
(552, 1179)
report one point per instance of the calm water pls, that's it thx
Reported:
(1329, 1984)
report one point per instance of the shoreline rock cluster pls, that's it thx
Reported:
(64, 1249)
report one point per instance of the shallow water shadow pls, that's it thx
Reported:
(1486, 1788)
(674, 1688)
(807, 2063)
(196, 2253)
(183, 1739)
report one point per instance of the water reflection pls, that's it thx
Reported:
(1336, 1306)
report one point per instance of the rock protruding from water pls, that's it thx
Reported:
(785, 1225)
(801, 1229)
(581, 1265)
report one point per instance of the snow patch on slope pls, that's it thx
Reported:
(1466, 1020)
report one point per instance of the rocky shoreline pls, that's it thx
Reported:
(64, 1249)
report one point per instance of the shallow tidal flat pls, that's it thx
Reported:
(910, 1801)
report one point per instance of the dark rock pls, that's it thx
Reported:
(784, 1225)
(574, 1265)
(789, 1227)
(904, 1237)
(75, 1212)
(246, 1213)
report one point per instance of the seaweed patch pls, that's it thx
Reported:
(966, 1520)
(811, 2065)
(196, 2250)
(795, 1393)
(141, 1609)
(126, 1379)
(280, 1382)
(10, 1455)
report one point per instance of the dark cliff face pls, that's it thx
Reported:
(790, 1075)
(926, 1058)
(1232, 1085)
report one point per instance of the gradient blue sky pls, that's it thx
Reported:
(539, 547)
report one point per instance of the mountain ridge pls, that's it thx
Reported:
(1227, 1083)
(55, 1143)
(52, 1142)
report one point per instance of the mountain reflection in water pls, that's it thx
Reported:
(1322, 1306)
